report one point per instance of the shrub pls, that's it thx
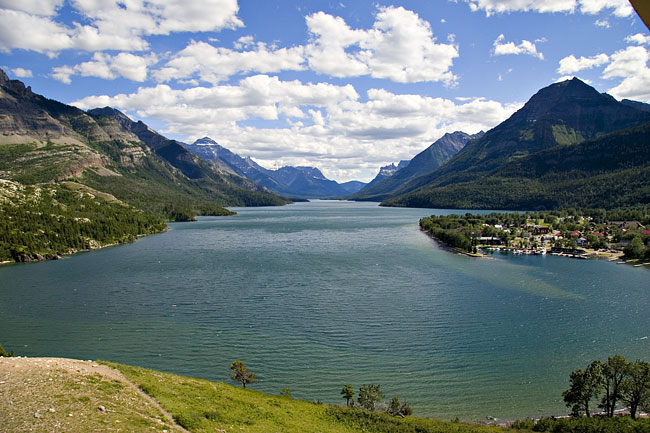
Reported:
(3, 352)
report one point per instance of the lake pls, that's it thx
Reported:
(315, 295)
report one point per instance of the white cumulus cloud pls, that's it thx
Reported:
(108, 67)
(215, 64)
(22, 73)
(621, 8)
(571, 64)
(399, 47)
(37, 7)
(631, 64)
(524, 47)
(108, 25)
(327, 52)
(325, 122)
(639, 39)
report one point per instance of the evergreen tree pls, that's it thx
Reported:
(369, 396)
(613, 374)
(240, 373)
(397, 408)
(348, 394)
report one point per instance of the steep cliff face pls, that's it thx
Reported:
(384, 173)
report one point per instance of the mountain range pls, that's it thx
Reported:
(45, 141)
(568, 146)
(391, 179)
(295, 182)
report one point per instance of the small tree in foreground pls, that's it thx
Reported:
(397, 408)
(585, 386)
(348, 394)
(369, 396)
(240, 373)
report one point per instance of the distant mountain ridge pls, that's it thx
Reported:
(563, 114)
(387, 171)
(423, 163)
(295, 182)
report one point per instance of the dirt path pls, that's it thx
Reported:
(58, 394)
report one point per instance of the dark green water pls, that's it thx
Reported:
(316, 295)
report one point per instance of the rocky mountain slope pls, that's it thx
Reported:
(296, 182)
(42, 140)
(422, 164)
(387, 171)
(562, 114)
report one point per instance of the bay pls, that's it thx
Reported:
(315, 295)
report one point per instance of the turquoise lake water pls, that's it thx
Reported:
(316, 295)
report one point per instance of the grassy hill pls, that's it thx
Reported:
(53, 394)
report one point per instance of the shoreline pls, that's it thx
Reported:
(617, 257)
(38, 257)
(453, 250)
(47, 367)
(35, 365)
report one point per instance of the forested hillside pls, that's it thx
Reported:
(561, 149)
(48, 221)
(607, 172)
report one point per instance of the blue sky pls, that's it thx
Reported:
(346, 86)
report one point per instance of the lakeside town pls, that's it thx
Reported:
(567, 233)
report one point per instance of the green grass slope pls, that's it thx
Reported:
(203, 406)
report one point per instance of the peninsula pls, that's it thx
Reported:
(613, 234)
